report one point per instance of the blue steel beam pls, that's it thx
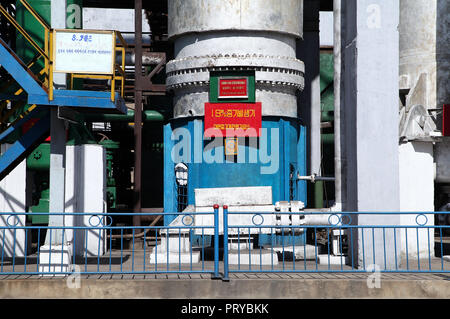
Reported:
(82, 99)
(25, 145)
(71, 98)
(12, 63)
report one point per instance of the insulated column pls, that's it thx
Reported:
(252, 40)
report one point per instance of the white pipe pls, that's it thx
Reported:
(322, 220)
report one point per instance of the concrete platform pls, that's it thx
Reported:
(240, 286)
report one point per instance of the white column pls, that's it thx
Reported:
(370, 52)
(58, 141)
(55, 255)
(86, 193)
(417, 195)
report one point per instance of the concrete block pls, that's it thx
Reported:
(175, 246)
(333, 260)
(175, 243)
(233, 196)
(266, 257)
(307, 252)
(174, 258)
(339, 232)
(57, 258)
(244, 243)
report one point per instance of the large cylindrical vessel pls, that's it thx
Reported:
(424, 50)
(254, 38)
(217, 35)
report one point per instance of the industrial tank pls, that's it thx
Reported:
(424, 51)
(424, 68)
(215, 40)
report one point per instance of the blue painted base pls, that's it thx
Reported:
(262, 240)
(274, 159)
(271, 160)
(278, 240)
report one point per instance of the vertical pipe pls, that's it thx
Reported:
(138, 113)
(203, 249)
(14, 248)
(26, 250)
(145, 241)
(156, 250)
(309, 52)
(58, 137)
(46, 47)
(225, 243)
(3, 248)
(337, 105)
(57, 176)
(38, 250)
(216, 241)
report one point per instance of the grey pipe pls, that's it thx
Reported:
(148, 58)
(339, 203)
(314, 178)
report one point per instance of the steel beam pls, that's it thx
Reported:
(138, 114)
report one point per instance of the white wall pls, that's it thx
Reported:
(115, 19)
(416, 195)
(12, 199)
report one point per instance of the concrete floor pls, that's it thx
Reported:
(137, 262)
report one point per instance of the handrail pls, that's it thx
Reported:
(47, 52)
(35, 14)
(42, 52)
(120, 68)
(122, 40)
(23, 32)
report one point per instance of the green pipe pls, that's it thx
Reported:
(327, 138)
(318, 194)
(147, 116)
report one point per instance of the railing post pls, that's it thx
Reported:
(225, 243)
(216, 242)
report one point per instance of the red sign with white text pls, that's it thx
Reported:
(233, 119)
(233, 88)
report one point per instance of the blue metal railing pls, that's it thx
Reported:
(96, 246)
(253, 242)
(339, 242)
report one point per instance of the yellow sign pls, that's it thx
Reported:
(231, 146)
